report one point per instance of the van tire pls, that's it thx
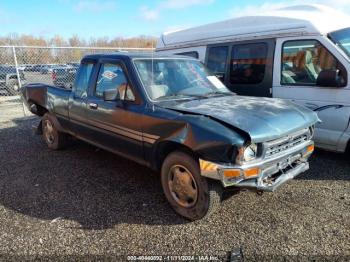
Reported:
(54, 139)
(180, 174)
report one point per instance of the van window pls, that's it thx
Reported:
(248, 62)
(217, 59)
(303, 60)
(193, 54)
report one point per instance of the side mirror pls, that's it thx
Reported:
(110, 95)
(329, 78)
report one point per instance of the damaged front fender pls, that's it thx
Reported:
(206, 138)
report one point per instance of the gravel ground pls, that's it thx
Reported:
(86, 203)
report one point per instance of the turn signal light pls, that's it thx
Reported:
(252, 172)
(310, 148)
(232, 173)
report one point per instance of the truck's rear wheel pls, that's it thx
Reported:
(54, 139)
(189, 194)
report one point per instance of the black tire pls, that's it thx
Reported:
(13, 87)
(54, 139)
(208, 193)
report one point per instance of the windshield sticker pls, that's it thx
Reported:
(109, 75)
(216, 82)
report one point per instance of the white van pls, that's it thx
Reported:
(301, 53)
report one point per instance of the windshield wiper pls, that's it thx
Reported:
(173, 96)
(215, 93)
(189, 96)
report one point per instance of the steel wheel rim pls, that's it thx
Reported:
(182, 185)
(49, 132)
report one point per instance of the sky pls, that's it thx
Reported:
(127, 18)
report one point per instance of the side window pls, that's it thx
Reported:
(82, 80)
(193, 54)
(303, 60)
(248, 63)
(217, 59)
(112, 77)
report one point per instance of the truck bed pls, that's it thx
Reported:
(53, 98)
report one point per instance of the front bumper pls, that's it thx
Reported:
(267, 175)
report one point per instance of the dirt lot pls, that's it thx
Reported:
(87, 202)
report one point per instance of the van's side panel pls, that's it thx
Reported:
(331, 103)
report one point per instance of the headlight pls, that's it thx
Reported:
(248, 153)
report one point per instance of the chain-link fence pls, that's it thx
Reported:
(50, 65)
(20, 65)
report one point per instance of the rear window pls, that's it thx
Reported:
(248, 63)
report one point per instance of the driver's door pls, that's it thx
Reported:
(298, 64)
(116, 124)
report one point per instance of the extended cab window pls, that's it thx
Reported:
(248, 63)
(303, 60)
(112, 77)
(217, 59)
(82, 80)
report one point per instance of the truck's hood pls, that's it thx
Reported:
(263, 119)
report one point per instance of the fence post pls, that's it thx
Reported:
(16, 65)
(18, 76)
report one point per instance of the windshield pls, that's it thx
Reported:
(342, 39)
(177, 79)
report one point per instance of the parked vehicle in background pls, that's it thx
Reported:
(299, 53)
(73, 64)
(28, 68)
(9, 79)
(37, 68)
(168, 113)
(21, 67)
(47, 69)
(64, 76)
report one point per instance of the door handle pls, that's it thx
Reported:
(93, 105)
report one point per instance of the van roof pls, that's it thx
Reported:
(288, 21)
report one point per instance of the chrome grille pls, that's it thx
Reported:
(275, 147)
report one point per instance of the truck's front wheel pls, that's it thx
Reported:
(189, 194)
(54, 139)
